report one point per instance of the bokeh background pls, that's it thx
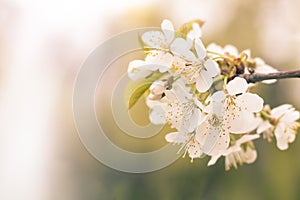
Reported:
(44, 43)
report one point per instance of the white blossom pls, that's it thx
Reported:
(209, 120)
(160, 39)
(158, 88)
(188, 143)
(194, 68)
(237, 154)
(265, 128)
(240, 106)
(231, 111)
(155, 60)
(158, 57)
(213, 132)
(284, 125)
(179, 108)
(196, 32)
(217, 49)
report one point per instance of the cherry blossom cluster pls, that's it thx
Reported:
(200, 93)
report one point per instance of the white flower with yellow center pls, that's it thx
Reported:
(242, 151)
(154, 61)
(194, 68)
(188, 143)
(178, 108)
(241, 106)
(182, 111)
(158, 57)
(231, 111)
(213, 132)
(284, 125)
(160, 39)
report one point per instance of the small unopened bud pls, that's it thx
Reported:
(158, 87)
(224, 71)
(267, 109)
(244, 56)
(251, 70)
(154, 97)
(240, 69)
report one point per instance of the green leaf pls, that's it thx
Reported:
(135, 90)
(137, 94)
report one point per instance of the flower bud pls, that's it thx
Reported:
(240, 69)
(157, 87)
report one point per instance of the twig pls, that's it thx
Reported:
(257, 77)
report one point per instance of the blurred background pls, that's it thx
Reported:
(44, 43)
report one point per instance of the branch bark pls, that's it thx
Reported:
(258, 77)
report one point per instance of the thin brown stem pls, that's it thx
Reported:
(258, 77)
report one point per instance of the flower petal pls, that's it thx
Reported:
(216, 105)
(194, 119)
(250, 102)
(232, 50)
(139, 69)
(283, 136)
(200, 49)
(168, 29)
(221, 144)
(242, 122)
(155, 39)
(204, 81)
(181, 91)
(176, 137)
(212, 67)
(213, 159)
(195, 32)
(213, 47)
(282, 143)
(214, 139)
(158, 115)
(194, 149)
(237, 86)
(246, 138)
(163, 61)
(181, 47)
(291, 116)
(263, 126)
(280, 110)
(218, 97)
(249, 156)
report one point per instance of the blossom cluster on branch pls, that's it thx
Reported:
(203, 94)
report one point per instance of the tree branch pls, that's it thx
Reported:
(257, 77)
